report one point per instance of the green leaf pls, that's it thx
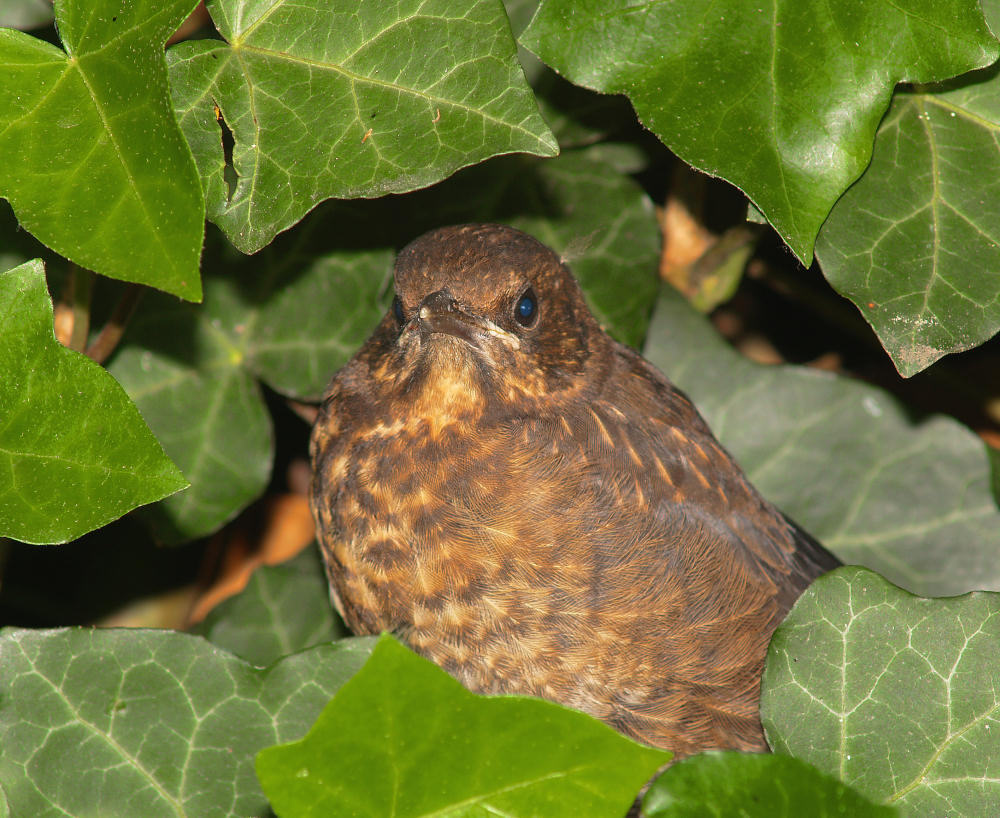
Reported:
(149, 723)
(911, 500)
(284, 609)
(346, 100)
(404, 738)
(752, 786)
(913, 241)
(74, 452)
(312, 316)
(895, 695)
(96, 166)
(781, 100)
(192, 370)
(184, 368)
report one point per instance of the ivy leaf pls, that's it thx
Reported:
(151, 723)
(96, 166)
(345, 100)
(752, 786)
(183, 368)
(896, 695)
(910, 500)
(193, 371)
(781, 100)
(403, 720)
(913, 241)
(284, 609)
(74, 452)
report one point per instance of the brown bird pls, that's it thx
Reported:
(538, 510)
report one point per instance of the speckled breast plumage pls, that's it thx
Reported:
(536, 509)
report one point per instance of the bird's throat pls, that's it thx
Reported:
(451, 388)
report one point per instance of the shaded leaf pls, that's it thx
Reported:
(341, 100)
(911, 500)
(915, 243)
(314, 315)
(151, 723)
(404, 738)
(96, 165)
(192, 370)
(284, 609)
(782, 101)
(74, 452)
(895, 695)
(183, 367)
(751, 785)
(25, 14)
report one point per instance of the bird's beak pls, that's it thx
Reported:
(441, 313)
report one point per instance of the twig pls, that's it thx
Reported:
(306, 411)
(111, 333)
(82, 287)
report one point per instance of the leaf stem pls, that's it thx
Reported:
(111, 333)
(81, 287)
(306, 411)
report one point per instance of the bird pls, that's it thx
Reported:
(534, 507)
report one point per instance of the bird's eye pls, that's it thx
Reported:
(397, 310)
(526, 308)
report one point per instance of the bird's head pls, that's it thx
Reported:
(487, 312)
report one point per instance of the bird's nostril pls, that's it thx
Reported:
(437, 303)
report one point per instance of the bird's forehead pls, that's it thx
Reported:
(476, 263)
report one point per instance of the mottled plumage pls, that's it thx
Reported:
(537, 509)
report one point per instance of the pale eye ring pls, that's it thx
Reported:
(526, 308)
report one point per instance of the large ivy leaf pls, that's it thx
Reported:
(895, 695)
(284, 609)
(911, 500)
(915, 243)
(74, 452)
(346, 100)
(781, 100)
(94, 162)
(149, 723)
(403, 738)
(753, 786)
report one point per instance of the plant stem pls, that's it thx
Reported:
(111, 333)
(82, 287)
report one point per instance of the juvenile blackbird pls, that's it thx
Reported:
(538, 510)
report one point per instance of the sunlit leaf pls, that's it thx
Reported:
(94, 163)
(782, 100)
(403, 738)
(74, 452)
(347, 100)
